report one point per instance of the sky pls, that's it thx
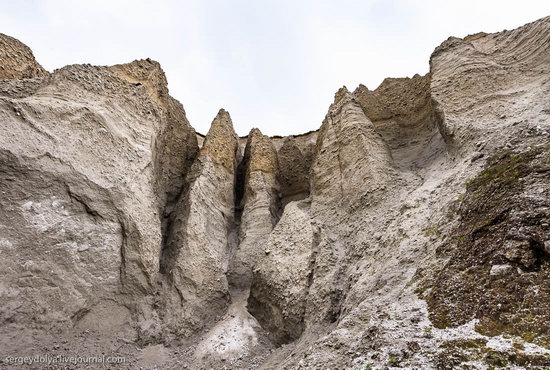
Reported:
(273, 64)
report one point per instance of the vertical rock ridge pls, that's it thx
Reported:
(304, 264)
(197, 248)
(282, 278)
(349, 146)
(220, 142)
(176, 149)
(260, 205)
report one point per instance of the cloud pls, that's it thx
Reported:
(274, 64)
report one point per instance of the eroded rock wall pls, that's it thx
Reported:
(18, 60)
(499, 263)
(295, 168)
(406, 116)
(199, 241)
(259, 208)
(410, 230)
(353, 163)
(81, 177)
(485, 84)
(281, 280)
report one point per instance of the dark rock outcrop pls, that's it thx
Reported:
(499, 268)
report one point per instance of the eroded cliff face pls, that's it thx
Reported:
(498, 267)
(198, 236)
(17, 60)
(258, 205)
(410, 230)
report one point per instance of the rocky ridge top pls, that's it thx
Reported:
(17, 60)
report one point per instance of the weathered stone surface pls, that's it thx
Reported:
(175, 147)
(421, 203)
(491, 88)
(405, 115)
(80, 208)
(368, 249)
(17, 60)
(350, 155)
(198, 244)
(282, 278)
(260, 205)
(295, 167)
(505, 215)
(485, 83)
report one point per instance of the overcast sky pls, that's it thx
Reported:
(273, 64)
